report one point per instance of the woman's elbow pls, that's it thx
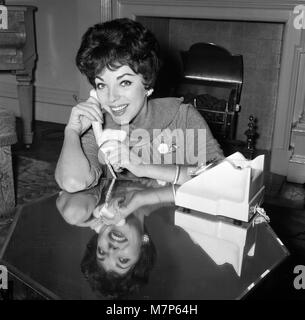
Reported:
(71, 184)
(69, 208)
(71, 215)
(74, 182)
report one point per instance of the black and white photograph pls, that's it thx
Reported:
(152, 153)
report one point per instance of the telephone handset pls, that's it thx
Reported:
(93, 94)
(96, 126)
(101, 135)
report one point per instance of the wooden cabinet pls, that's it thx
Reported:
(18, 55)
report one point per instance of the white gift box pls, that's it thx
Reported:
(233, 188)
(221, 239)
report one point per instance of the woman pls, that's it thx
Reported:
(164, 137)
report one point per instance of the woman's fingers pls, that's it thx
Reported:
(116, 153)
(96, 225)
(92, 110)
(81, 112)
(126, 200)
(120, 156)
(116, 211)
(108, 148)
(98, 110)
(118, 161)
(113, 159)
(117, 167)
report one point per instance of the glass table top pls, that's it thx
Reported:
(192, 255)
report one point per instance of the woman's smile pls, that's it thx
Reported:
(119, 110)
(117, 236)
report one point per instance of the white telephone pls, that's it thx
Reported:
(96, 126)
(233, 188)
(101, 135)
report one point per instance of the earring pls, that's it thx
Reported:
(145, 239)
(149, 92)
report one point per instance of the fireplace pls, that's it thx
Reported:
(287, 105)
(259, 43)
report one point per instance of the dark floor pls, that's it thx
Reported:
(47, 141)
(284, 204)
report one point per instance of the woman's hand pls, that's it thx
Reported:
(110, 213)
(96, 224)
(120, 156)
(131, 202)
(83, 114)
(119, 208)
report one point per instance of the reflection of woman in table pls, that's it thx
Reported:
(120, 256)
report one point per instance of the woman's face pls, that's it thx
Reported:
(121, 93)
(118, 247)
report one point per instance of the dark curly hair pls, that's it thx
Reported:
(116, 43)
(111, 285)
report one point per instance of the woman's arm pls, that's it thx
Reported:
(73, 171)
(120, 156)
(168, 173)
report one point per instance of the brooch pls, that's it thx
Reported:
(164, 148)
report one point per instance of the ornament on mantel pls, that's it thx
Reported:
(251, 137)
